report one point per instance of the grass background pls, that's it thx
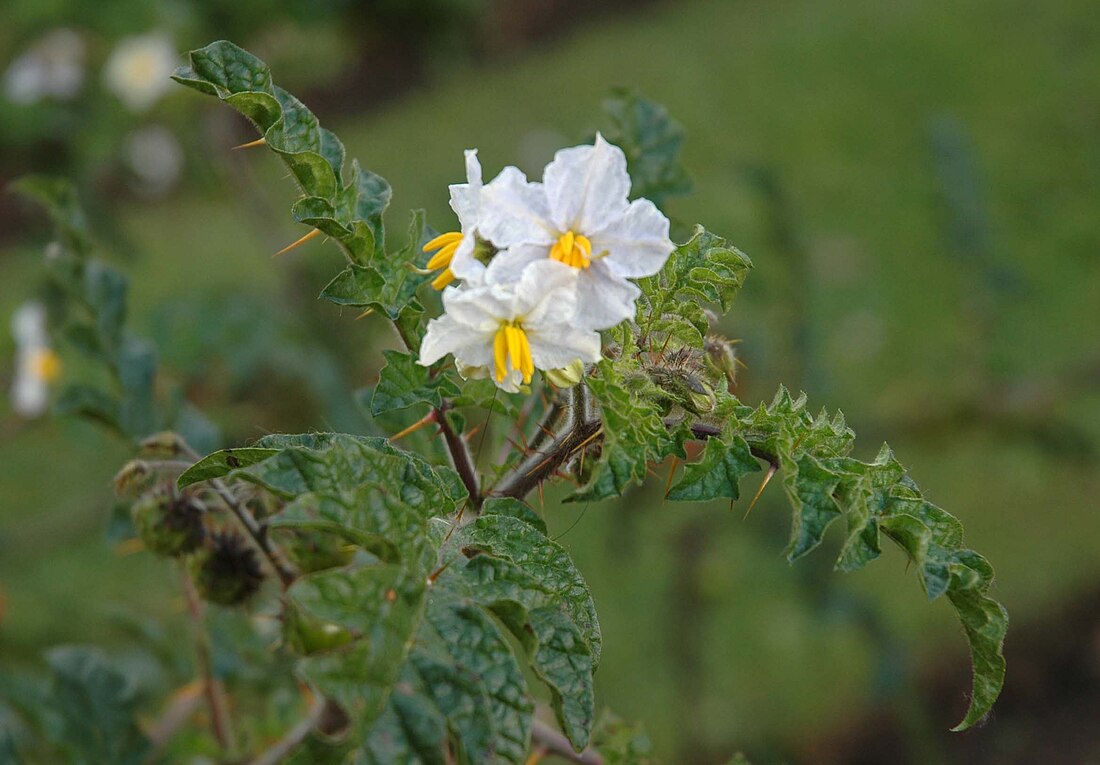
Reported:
(837, 100)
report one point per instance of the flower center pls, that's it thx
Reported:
(573, 250)
(45, 365)
(446, 244)
(511, 345)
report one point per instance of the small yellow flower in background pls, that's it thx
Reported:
(37, 365)
(139, 70)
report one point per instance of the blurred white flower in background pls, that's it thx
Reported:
(52, 67)
(139, 69)
(154, 155)
(36, 363)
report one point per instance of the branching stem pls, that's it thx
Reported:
(552, 742)
(212, 687)
(461, 458)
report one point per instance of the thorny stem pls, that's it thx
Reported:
(461, 458)
(274, 555)
(544, 462)
(545, 738)
(271, 551)
(212, 687)
(545, 428)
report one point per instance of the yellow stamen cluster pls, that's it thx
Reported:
(45, 365)
(446, 244)
(573, 250)
(511, 344)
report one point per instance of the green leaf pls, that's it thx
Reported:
(387, 284)
(404, 382)
(652, 142)
(704, 269)
(717, 473)
(476, 645)
(346, 206)
(516, 509)
(223, 462)
(634, 430)
(556, 647)
(382, 606)
(537, 555)
(620, 743)
(824, 482)
(97, 708)
(89, 402)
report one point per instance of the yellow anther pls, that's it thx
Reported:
(46, 365)
(443, 240)
(500, 353)
(447, 244)
(443, 258)
(572, 249)
(445, 277)
(512, 349)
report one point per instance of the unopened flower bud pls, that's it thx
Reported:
(168, 525)
(226, 570)
(566, 377)
(721, 358)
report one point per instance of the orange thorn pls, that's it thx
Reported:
(427, 419)
(536, 756)
(671, 473)
(311, 235)
(763, 485)
(474, 429)
(365, 314)
(251, 144)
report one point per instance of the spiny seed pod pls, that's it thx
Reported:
(226, 570)
(168, 525)
(314, 550)
(686, 388)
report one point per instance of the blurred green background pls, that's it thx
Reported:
(918, 184)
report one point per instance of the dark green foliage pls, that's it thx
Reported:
(404, 639)
(95, 707)
(652, 142)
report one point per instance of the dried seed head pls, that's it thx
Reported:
(226, 569)
(168, 525)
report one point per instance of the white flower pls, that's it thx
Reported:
(512, 329)
(36, 364)
(455, 258)
(53, 67)
(139, 70)
(155, 157)
(579, 215)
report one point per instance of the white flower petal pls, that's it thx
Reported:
(637, 242)
(546, 295)
(557, 347)
(465, 266)
(587, 186)
(28, 325)
(465, 197)
(448, 335)
(30, 394)
(480, 307)
(514, 211)
(603, 298)
(508, 265)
